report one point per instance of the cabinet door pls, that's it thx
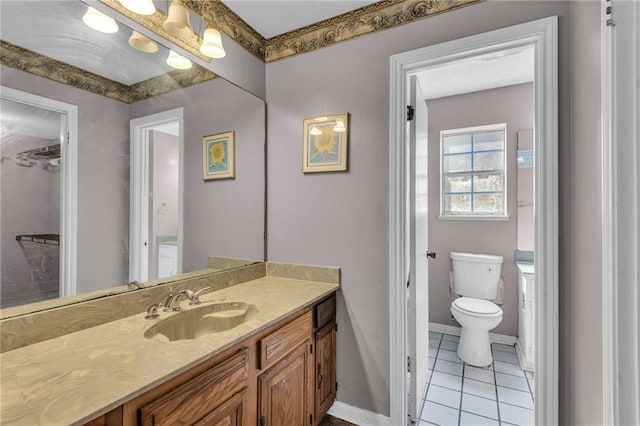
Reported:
(325, 369)
(228, 414)
(200, 396)
(286, 390)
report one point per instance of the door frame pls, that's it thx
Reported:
(543, 35)
(68, 181)
(139, 202)
(620, 39)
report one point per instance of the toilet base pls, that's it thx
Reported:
(474, 347)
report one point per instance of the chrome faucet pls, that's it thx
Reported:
(172, 302)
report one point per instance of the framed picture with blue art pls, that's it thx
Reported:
(325, 143)
(218, 156)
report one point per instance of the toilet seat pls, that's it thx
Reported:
(477, 307)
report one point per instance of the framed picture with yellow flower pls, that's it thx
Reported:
(325, 145)
(218, 156)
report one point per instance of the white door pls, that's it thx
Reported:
(418, 309)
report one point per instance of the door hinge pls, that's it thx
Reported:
(310, 349)
(310, 419)
(68, 138)
(609, 15)
(408, 364)
(263, 421)
(336, 386)
(410, 112)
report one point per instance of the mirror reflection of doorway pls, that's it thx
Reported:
(163, 200)
(156, 196)
(30, 168)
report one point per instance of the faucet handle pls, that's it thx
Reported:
(152, 311)
(195, 300)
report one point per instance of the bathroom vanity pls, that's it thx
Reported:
(525, 344)
(276, 367)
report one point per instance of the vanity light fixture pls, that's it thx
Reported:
(339, 127)
(141, 7)
(177, 23)
(99, 21)
(315, 131)
(177, 61)
(142, 43)
(212, 42)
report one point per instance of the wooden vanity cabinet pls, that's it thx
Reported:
(282, 376)
(286, 390)
(325, 356)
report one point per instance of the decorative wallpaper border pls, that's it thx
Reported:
(230, 24)
(365, 20)
(29, 61)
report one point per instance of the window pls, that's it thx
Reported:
(473, 178)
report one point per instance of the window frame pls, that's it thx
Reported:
(503, 215)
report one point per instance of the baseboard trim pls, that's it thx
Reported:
(357, 415)
(453, 330)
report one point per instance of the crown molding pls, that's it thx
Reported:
(29, 61)
(34, 63)
(173, 80)
(216, 13)
(365, 20)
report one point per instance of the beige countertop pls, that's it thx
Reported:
(73, 378)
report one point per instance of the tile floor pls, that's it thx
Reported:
(459, 394)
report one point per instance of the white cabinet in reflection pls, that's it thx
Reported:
(167, 260)
(525, 344)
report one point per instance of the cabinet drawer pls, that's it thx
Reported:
(325, 312)
(198, 397)
(284, 340)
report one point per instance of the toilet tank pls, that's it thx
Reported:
(476, 275)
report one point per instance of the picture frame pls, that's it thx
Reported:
(218, 156)
(325, 143)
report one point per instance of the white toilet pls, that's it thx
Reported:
(476, 279)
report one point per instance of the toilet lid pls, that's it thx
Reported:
(476, 306)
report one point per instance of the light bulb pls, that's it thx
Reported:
(142, 43)
(212, 44)
(99, 21)
(177, 23)
(315, 131)
(177, 61)
(141, 7)
(339, 127)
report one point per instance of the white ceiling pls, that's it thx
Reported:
(478, 73)
(23, 119)
(274, 17)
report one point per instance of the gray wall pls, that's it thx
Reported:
(512, 105)
(341, 219)
(103, 179)
(221, 217)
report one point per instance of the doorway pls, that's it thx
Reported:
(406, 252)
(38, 165)
(156, 195)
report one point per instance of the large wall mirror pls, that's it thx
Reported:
(68, 190)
